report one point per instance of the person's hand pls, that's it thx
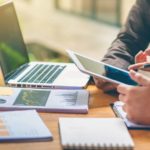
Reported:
(136, 99)
(136, 66)
(140, 59)
(141, 56)
(104, 85)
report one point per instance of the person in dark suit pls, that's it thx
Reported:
(133, 37)
(127, 49)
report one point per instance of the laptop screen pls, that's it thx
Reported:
(12, 48)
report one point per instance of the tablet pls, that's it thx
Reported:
(101, 69)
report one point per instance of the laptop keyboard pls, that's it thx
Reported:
(42, 73)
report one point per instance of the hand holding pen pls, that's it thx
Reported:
(141, 61)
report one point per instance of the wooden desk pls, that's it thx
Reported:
(99, 107)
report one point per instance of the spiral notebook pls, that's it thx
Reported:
(94, 133)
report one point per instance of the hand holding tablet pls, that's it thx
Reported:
(101, 70)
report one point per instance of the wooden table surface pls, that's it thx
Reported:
(98, 107)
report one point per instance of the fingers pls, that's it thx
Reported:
(99, 82)
(108, 87)
(148, 55)
(122, 97)
(136, 66)
(139, 78)
(147, 51)
(140, 57)
(123, 89)
(125, 92)
(104, 85)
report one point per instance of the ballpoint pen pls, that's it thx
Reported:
(145, 67)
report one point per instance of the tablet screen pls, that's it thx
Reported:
(105, 70)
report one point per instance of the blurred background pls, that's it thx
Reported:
(85, 26)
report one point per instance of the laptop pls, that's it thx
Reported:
(17, 69)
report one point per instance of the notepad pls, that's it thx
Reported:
(22, 126)
(94, 133)
(117, 107)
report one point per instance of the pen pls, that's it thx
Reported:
(145, 67)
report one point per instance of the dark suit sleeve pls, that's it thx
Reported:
(133, 37)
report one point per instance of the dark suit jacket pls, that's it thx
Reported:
(133, 37)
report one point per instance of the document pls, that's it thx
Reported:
(117, 107)
(46, 100)
(22, 126)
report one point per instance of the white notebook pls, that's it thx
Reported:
(94, 133)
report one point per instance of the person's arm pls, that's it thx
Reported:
(133, 37)
(136, 99)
